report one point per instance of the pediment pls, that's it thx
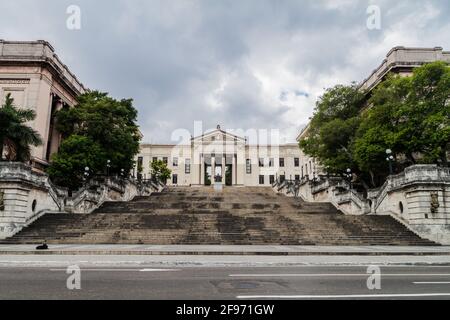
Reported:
(218, 135)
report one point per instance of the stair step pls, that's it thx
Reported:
(251, 216)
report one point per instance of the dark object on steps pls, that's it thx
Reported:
(42, 247)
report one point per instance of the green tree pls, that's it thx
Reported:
(74, 155)
(160, 171)
(409, 115)
(111, 133)
(15, 134)
(379, 129)
(332, 128)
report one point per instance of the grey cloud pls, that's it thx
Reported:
(262, 62)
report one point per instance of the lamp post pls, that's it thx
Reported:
(86, 174)
(349, 176)
(390, 159)
(108, 166)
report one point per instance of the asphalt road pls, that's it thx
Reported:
(211, 283)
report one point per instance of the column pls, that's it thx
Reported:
(234, 172)
(213, 169)
(202, 170)
(224, 161)
(54, 138)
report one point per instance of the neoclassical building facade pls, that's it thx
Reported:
(37, 79)
(227, 158)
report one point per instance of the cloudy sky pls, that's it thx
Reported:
(246, 64)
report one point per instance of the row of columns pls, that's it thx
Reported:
(54, 137)
(213, 170)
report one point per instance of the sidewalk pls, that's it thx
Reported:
(204, 250)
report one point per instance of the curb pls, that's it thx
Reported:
(216, 253)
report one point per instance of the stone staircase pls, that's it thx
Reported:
(238, 216)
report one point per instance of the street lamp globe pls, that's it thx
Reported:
(388, 151)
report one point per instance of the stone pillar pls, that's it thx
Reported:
(213, 169)
(202, 169)
(234, 171)
(54, 136)
(224, 165)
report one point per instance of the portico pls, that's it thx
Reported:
(217, 154)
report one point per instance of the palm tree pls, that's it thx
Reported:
(15, 135)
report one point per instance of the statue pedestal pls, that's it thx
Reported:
(218, 187)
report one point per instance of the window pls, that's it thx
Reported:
(310, 167)
(282, 179)
(296, 162)
(261, 162)
(175, 179)
(302, 172)
(272, 179)
(175, 162)
(155, 159)
(281, 162)
(187, 166)
(271, 162)
(261, 180)
(166, 160)
(306, 168)
(297, 177)
(140, 162)
(249, 166)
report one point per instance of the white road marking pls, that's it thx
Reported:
(349, 296)
(159, 270)
(122, 270)
(337, 275)
(431, 282)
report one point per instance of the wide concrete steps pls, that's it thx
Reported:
(198, 216)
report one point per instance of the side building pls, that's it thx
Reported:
(37, 79)
(230, 159)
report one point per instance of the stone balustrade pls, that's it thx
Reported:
(419, 197)
(27, 195)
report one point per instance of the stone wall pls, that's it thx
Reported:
(420, 197)
(26, 195)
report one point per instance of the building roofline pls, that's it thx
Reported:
(392, 61)
(42, 52)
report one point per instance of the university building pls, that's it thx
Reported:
(220, 156)
(37, 79)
